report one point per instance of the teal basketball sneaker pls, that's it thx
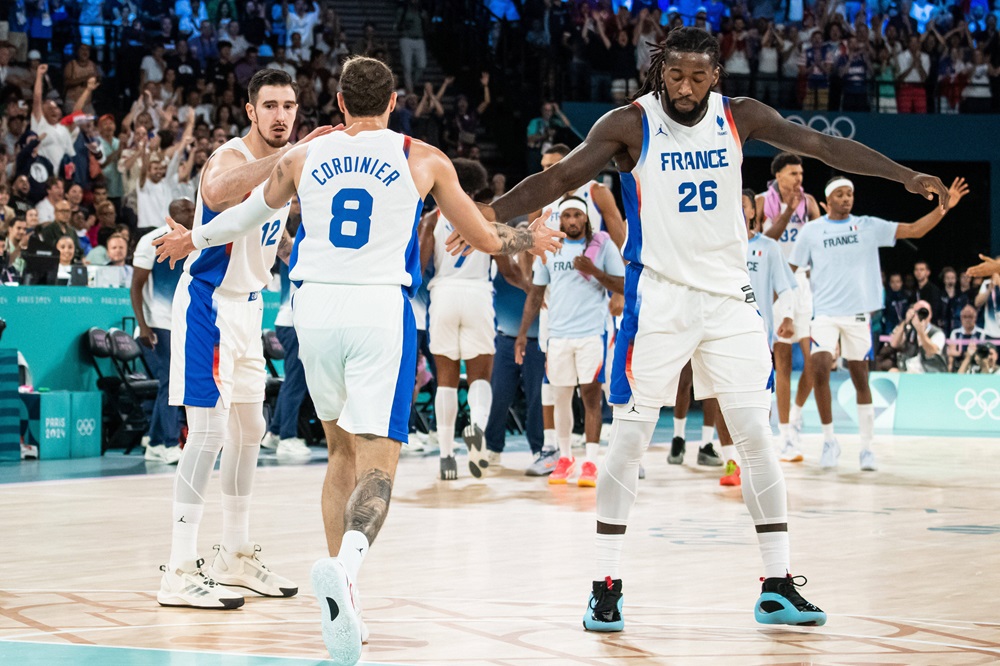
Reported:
(781, 603)
(604, 608)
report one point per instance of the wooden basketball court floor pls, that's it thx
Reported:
(906, 561)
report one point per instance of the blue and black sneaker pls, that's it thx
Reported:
(604, 608)
(781, 603)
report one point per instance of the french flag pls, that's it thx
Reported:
(756, 253)
(853, 227)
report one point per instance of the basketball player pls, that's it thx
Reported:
(217, 362)
(784, 208)
(356, 255)
(461, 328)
(578, 278)
(687, 292)
(837, 245)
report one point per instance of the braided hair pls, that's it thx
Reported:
(679, 40)
(747, 192)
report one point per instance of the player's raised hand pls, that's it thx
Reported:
(985, 269)
(173, 245)
(455, 245)
(929, 186)
(959, 188)
(546, 239)
(322, 130)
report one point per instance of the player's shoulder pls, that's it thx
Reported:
(768, 243)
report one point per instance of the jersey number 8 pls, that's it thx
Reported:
(351, 218)
(705, 192)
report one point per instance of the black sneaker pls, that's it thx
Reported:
(676, 456)
(604, 608)
(708, 457)
(781, 603)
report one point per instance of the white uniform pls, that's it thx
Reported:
(802, 312)
(461, 309)
(215, 350)
(357, 257)
(687, 291)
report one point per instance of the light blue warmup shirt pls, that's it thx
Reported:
(769, 275)
(843, 255)
(577, 305)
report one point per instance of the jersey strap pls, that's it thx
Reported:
(594, 248)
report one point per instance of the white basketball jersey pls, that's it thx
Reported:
(244, 265)
(683, 200)
(584, 192)
(472, 270)
(360, 209)
(791, 233)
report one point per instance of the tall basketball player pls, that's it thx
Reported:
(356, 255)
(679, 148)
(217, 362)
(784, 208)
(460, 328)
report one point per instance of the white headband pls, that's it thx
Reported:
(567, 204)
(839, 182)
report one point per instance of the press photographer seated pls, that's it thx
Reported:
(981, 359)
(919, 344)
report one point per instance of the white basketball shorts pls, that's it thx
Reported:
(853, 332)
(665, 324)
(215, 347)
(358, 345)
(572, 361)
(462, 321)
(803, 312)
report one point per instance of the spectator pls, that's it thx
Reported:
(78, 220)
(951, 67)
(370, 43)
(239, 42)
(918, 342)
(219, 70)
(37, 169)
(644, 38)
(154, 193)
(736, 49)
(885, 75)
(976, 96)
(187, 67)
(980, 359)
(281, 62)
(64, 245)
(411, 22)
(17, 122)
(816, 66)
(13, 79)
(298, 53)
(988, 299)
(300, 19)
(498, 183)
(597, 46)
(76, 74)
(247, 67)
(544, 129)
(855, 70)
(61, 227)
(624, 78)
(464, 124)
(116, 273)
(17, 241)
(19, 199)
(111, 150)
(926, 290)
(54, 195)
(255, 25)
(99, 255)
(205, 45)
(913, 67)
(952, 300)
(965, 332)
(153, 66)
(897, 302)
(769, 66)
(55, 138)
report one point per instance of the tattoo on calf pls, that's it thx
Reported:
(369, 504)
(513, 240)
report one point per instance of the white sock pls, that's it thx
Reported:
(446, 411)
(707, 434)
(728, 452)
(785, 430)
(480, 402)
(795, 414)
(184, 537)
(235, 521)
(550, 440)
(593, 449)
(828, 432)
(774, 551)
(353, 548)
(609, 555)
(866, 425)
(679, 427)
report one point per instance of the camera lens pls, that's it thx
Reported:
(923, 313)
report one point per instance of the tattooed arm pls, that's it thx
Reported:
(368, 504)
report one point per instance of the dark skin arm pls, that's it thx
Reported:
(426, 235)
(532, 306)
(139, 277)
(510, 271)
(761, 122)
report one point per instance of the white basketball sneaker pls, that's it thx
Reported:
(190, 587)
(270, 441)
(340, 604)
(242, 568)
(293, 449)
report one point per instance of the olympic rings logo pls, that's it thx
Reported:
(979, 405)
(841, 126)
(86, 427)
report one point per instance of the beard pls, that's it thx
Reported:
(686, 117)
(274, 143)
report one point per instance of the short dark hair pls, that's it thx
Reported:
(557, 149)
(781, 160)
(471, 175)
(269, 77)
(367, 86)
(922, 261)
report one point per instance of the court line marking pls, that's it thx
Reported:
(185, 651)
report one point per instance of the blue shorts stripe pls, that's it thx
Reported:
(201, 343)
(621, 388)
(399, 418)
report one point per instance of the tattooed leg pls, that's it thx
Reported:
(369, 503)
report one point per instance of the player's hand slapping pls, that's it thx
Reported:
(929, 186)
(544, 239)
(173, 245)
(988, 268)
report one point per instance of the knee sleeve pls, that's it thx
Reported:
(620, 470)
(241, 448)
(207, 431)
(548, 399)
(763, 481)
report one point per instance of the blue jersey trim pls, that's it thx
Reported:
(293, 258)
(632, 198)
(621, 388)
(413, 254)
(213, 262)
(201, 345)
(399, 419)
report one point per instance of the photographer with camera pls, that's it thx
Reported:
(919, 344)
(981, 359)
(963, 334)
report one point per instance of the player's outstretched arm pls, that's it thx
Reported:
(986, 269)
(919, 229)
(607, 138)
(759, 121)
